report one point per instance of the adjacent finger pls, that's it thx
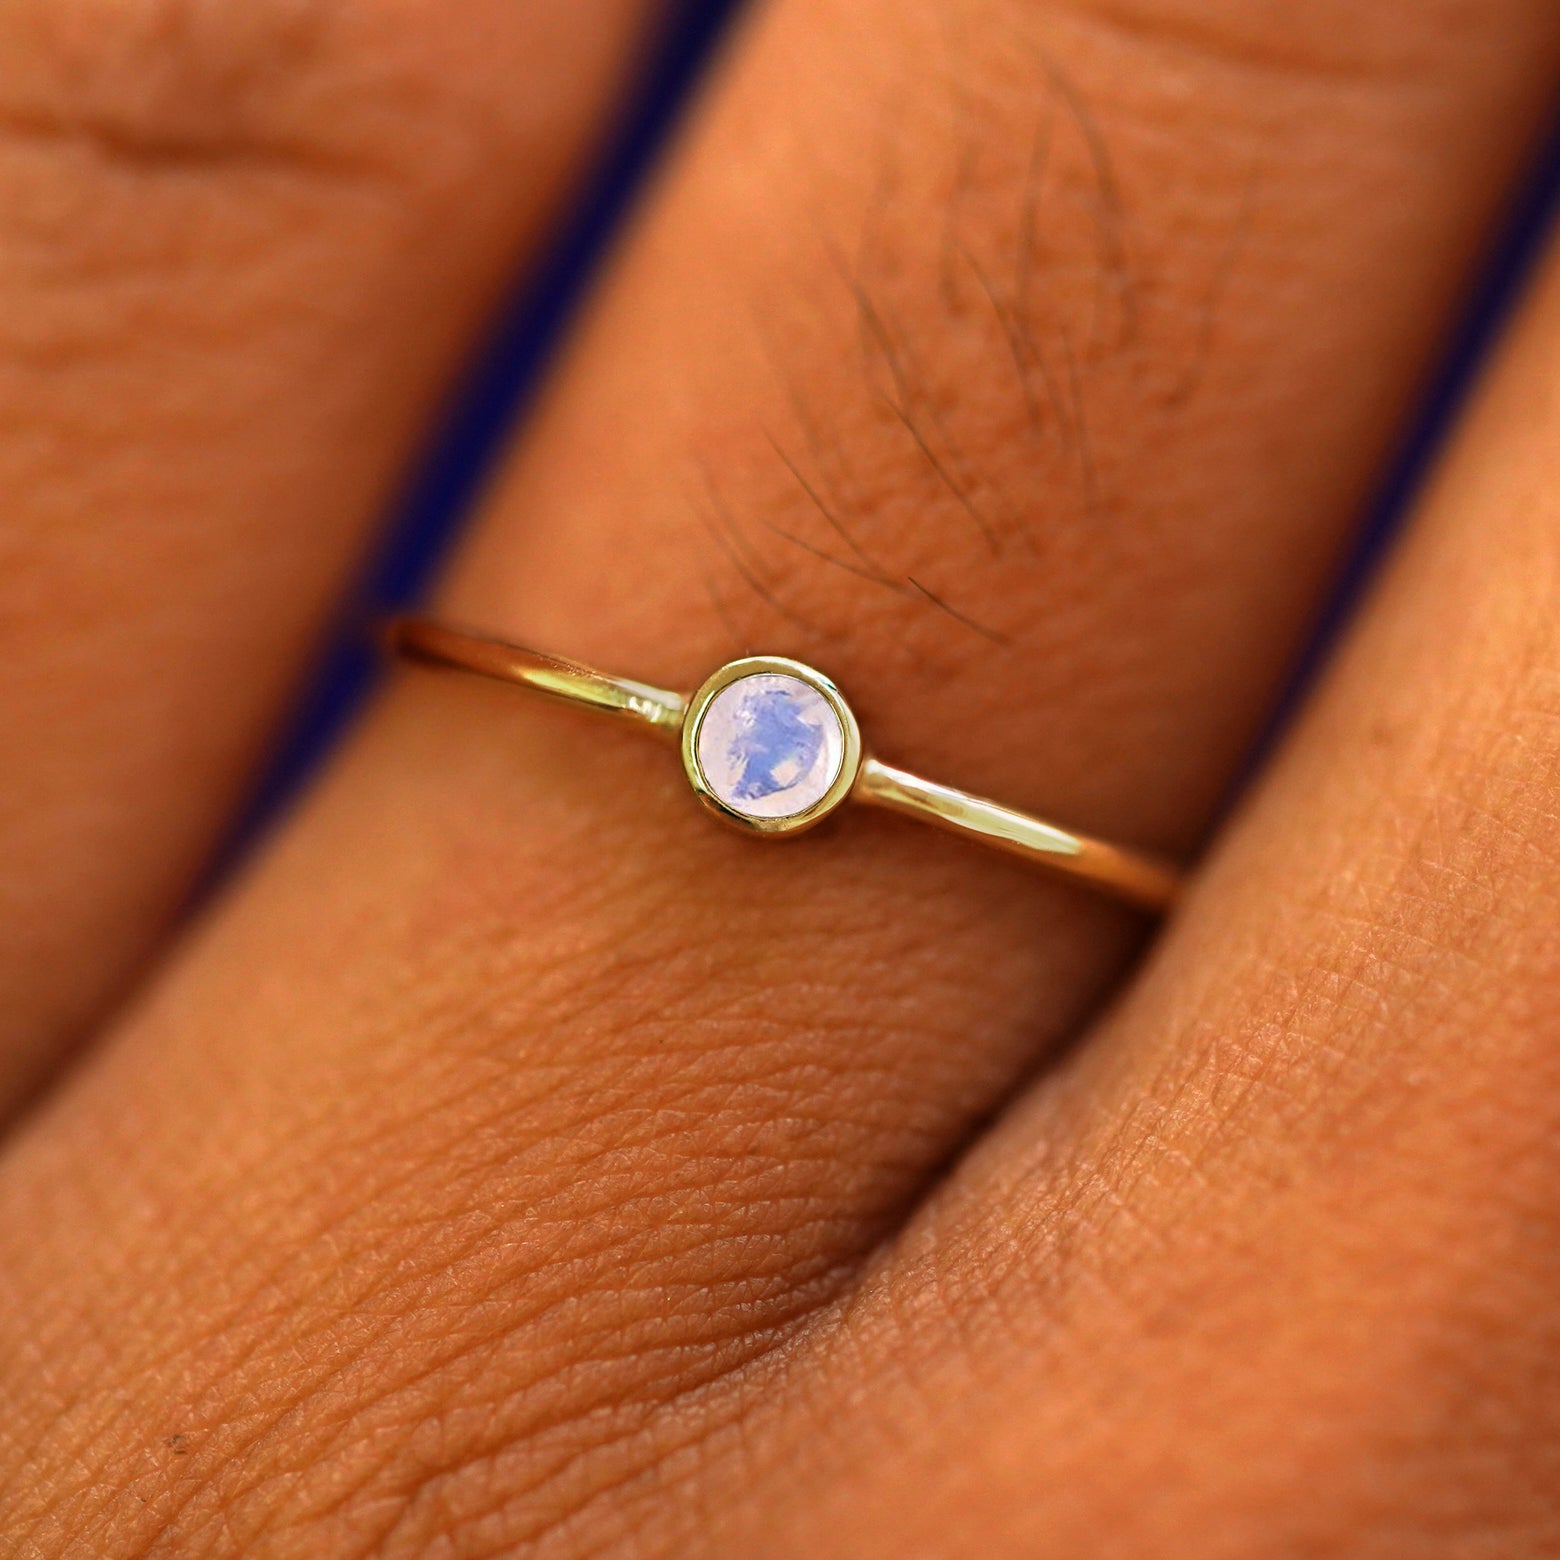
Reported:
(241, 248)
(539, 1108)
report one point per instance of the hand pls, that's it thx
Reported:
(513, 1163)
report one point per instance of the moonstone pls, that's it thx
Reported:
(770, 746)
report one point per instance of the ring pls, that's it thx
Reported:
(771, 747)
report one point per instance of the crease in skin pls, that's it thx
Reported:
(145, 152)
(243, 248)
(579, 1425)
(1240, 1133)
(1227, 255)
(167, 85)
(1172, 27)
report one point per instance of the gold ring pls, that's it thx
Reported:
(771, 747)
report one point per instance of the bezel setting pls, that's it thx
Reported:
(762, 761)
(850, 761)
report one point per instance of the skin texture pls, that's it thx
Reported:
(514, 1164)
(1288, 1222)
(233, 288)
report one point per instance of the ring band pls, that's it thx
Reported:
(771, 746)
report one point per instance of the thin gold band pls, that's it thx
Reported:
(1143, 880)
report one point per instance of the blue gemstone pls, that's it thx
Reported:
(774, 745)
(770, 746)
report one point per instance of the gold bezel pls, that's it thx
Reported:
(850, 765)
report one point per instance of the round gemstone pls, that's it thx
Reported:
(770, 746)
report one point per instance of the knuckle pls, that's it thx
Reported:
(159, 83)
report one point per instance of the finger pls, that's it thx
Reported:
(539, 1108)
(240, 250)
(1279, 1254)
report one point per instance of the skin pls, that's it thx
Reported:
(234, 289)
(511, 1163)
